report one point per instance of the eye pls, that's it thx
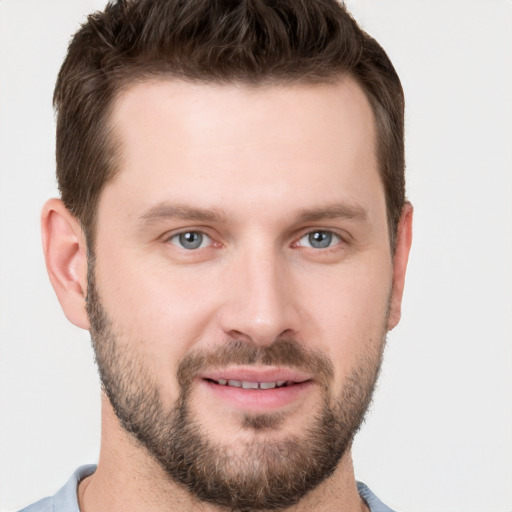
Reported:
(190, 240)
(319, 239)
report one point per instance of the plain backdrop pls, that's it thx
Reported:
(439, 436)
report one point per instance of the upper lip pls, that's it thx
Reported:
(254, 374)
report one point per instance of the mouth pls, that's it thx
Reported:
(244, 384)
(253, 390)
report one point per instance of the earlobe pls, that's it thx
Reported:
(65, 254)
(401, 256)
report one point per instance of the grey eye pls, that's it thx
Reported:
(190, 240)
(319, 239)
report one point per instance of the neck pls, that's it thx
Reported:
(129, 479)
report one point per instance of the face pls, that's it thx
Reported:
(240, 292)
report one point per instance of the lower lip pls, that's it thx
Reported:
(259, 400)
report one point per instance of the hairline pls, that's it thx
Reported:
(136, 77)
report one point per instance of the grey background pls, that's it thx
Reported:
(439, 437)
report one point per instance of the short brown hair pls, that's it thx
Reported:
(237, 41)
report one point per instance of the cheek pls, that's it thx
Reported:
(153, 310)
(157, 316)
(163, 311)
(348, 316)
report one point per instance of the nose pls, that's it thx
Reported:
(260, 303)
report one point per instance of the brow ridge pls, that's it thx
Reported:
(334, 211)
(165, 210)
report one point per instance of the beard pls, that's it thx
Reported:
(261, 473)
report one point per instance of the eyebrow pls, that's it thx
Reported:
(163, 211)
(334, 211)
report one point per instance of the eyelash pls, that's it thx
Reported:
(205, 240)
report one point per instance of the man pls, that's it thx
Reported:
(233, 232)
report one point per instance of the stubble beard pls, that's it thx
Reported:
(261, 474)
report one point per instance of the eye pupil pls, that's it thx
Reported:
(191, 239)
(320, 239)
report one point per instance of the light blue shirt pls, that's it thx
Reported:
(66, 498)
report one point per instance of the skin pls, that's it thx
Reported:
(274, 163)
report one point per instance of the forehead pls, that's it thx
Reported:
(245, 146)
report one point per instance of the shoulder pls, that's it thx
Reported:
(371, 499)
(65, 500)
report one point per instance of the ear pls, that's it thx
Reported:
(65, 253)
(400, 258)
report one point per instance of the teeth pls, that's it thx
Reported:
(252, 385)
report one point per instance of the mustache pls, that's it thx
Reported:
(282, 352)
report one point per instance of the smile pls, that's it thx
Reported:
(257, 390)
(252, 385)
